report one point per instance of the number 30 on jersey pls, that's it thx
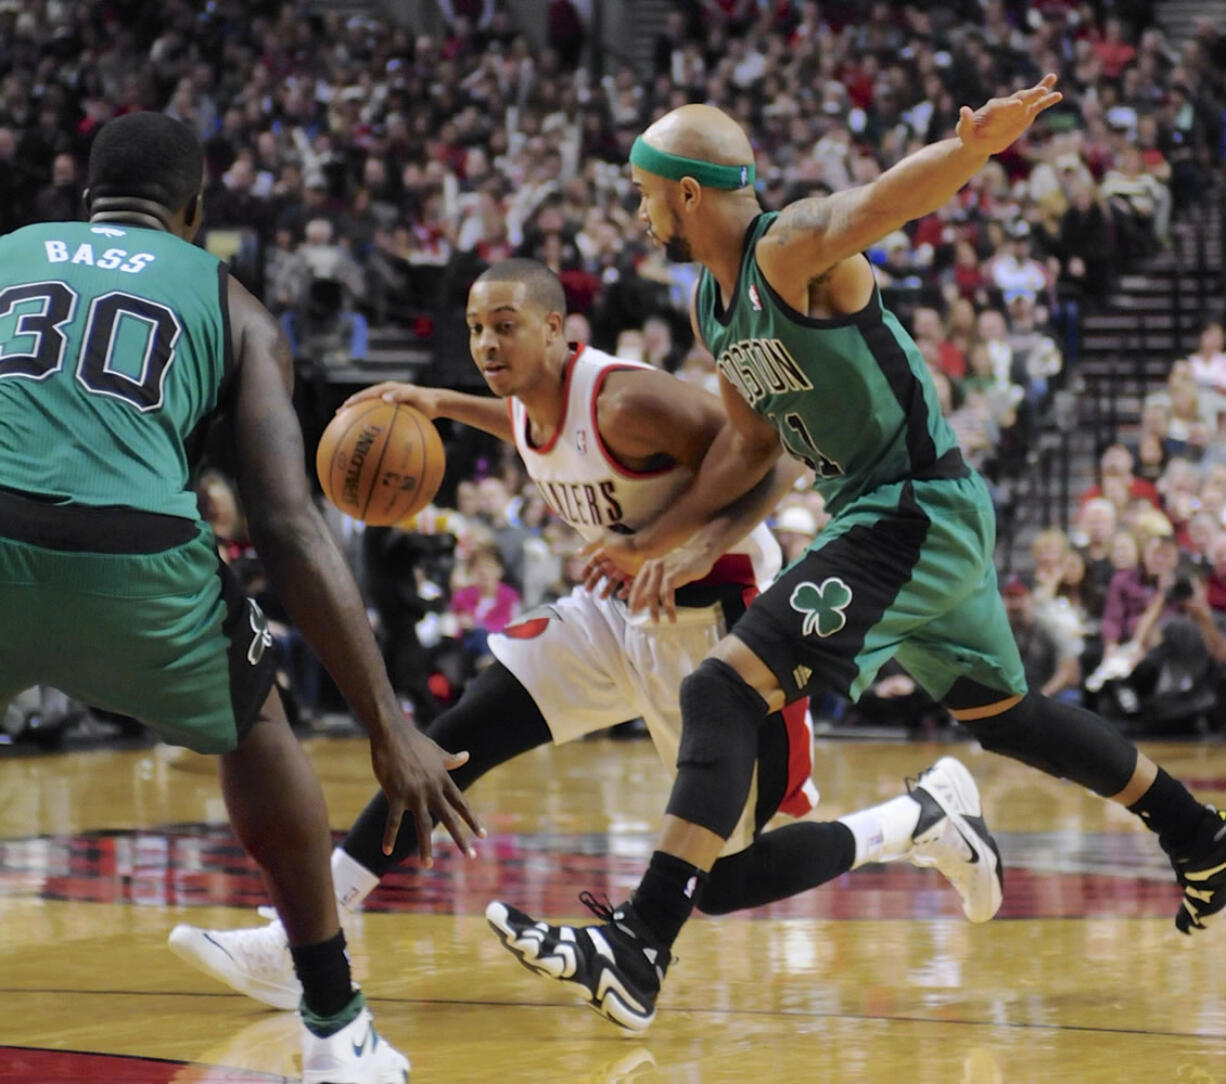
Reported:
(44, 310)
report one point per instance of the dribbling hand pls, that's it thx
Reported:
(391, 391)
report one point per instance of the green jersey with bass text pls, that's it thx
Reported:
(850, 396)
(114, 346)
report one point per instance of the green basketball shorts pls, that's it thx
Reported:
(134, 613)
(905, 572)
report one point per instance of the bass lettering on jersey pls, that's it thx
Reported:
(111, 259)
(583, 503)
(762, 367)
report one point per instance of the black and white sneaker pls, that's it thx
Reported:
(1201, 869)
(953, 837)
(615, 967)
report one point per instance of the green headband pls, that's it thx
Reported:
(674, 167)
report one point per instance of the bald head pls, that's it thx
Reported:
(702, 132)
(694, 170)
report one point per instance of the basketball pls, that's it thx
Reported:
(380, 462)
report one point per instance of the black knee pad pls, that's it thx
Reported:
(721, 716)
(1062, 740)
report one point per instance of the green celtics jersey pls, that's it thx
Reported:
(114, 344)
(850, 396)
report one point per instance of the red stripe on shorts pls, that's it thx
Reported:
(796, 802)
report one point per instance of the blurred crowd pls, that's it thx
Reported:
(1128, 609)
(360, 173)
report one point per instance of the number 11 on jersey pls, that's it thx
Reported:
(799, 442)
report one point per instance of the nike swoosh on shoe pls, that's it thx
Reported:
(213, 941)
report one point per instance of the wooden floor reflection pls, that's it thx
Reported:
(872, 979)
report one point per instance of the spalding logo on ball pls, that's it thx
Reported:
(380, 462)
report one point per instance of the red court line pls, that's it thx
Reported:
(24, 1064)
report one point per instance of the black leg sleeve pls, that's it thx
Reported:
(494, 721)
(1061, 740)
(779, 864)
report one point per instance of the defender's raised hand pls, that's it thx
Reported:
(994, 126)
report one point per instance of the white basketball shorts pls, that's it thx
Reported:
(590, 664)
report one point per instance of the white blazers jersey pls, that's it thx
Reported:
(584, 485)
(587, 662)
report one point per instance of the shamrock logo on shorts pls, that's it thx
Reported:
(822, 606)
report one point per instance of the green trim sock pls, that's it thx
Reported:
(1169, 809)
(323, 1026)
(323, 970)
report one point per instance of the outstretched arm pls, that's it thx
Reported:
(813, 235)
(311, 576)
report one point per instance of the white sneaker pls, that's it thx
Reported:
(357, 1054)
(255, 962)
(952, 836)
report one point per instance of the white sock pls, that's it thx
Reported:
(351, 880)
(883, 832)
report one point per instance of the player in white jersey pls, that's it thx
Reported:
(610, 443)
(586, 660)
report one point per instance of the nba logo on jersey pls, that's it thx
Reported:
(754, 299)
(581, 441)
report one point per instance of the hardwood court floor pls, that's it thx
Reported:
(875, 978)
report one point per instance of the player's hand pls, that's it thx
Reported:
(612, 561)
(390, 391)
(994, 126)
(414, 773)
(603, 578)
(655, 586)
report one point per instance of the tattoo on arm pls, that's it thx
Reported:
(808, 218)
(813, 215)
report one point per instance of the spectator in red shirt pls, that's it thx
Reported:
(968, 273)
(1152, 158)
(1113, 52)
(858, 79)
(1117, 462)
(926, 324)
(1133, 589)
